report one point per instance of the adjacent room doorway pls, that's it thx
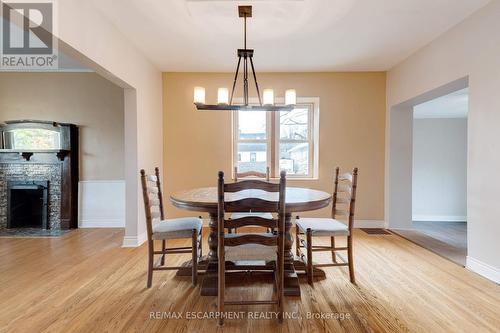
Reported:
(436, 155)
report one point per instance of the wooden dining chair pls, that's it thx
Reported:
(159, 228)
(251, 175)
(343, 205)
(275, 204)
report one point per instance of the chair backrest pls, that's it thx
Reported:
(240, 197)
(153, 200)
(344, 196)
(253, 174)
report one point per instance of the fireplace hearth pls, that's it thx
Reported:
(27, 204)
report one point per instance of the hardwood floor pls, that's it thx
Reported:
(84, 282)
(453, 233)
(447, 239)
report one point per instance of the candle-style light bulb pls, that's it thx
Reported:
(268, 97)
(199, 95)
(290, 97)
(223, 96)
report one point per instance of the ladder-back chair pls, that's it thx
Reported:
(231, 199)
(343, 205)
(159, 228)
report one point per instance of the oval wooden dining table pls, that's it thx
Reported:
(204, 199)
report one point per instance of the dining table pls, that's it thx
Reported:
(298, 199)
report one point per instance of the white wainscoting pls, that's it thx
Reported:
(101, 204)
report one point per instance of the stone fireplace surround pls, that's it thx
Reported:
(51, 172)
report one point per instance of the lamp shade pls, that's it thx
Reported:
(199, 95)
(268, 97)
(290, 97)
(223, 96)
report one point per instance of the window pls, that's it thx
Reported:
(251, 141)
(284, 140)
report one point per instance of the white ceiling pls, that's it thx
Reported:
(454, 105)
(288, 35)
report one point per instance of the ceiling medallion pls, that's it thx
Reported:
(225, 101)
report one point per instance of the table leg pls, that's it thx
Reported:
(207, 263)
(292, 287)
(299, 265)
(209, 284)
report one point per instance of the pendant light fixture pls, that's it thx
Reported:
(225, 100)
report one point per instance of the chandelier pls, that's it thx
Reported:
(225, 101)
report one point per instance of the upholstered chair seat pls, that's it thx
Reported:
(323, 226)
(177, 228)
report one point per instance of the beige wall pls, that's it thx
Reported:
(102, 47)
(85, 99)
(352, 120)
(471, 49)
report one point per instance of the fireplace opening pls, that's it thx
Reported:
(27, 204)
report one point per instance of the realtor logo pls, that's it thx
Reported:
(28, 41)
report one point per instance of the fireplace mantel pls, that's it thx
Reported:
(43, 154)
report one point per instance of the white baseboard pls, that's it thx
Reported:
(134, 241)
(369, 224)
(483, 269)
(101, 223)
(101, 204)
(439, 218)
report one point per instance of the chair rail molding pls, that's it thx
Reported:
(102, 204)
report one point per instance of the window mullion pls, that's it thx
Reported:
(272, 143)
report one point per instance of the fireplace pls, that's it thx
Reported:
(27, 203)
(38, 175)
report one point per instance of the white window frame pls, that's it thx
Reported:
(273, 137)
